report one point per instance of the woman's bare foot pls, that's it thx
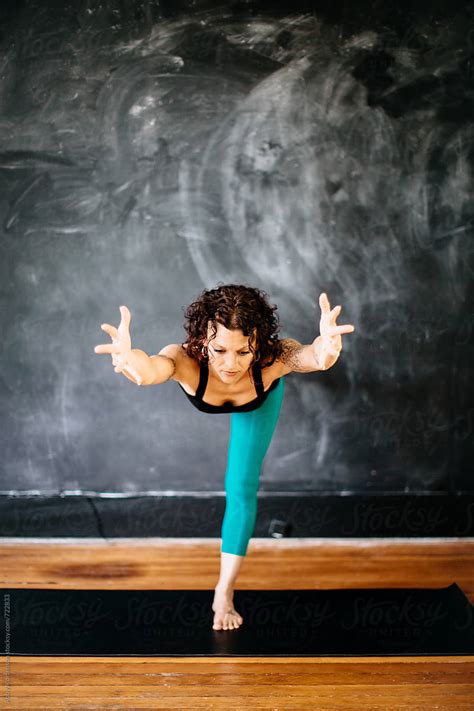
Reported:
(226, 616)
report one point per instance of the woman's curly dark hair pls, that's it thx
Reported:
(236, 307)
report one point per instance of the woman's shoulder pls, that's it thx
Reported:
(280, 366)
(184, 365)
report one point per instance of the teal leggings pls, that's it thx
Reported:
(250, 436)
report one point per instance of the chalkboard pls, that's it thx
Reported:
(150, 150)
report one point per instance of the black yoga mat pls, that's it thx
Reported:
(373, 622)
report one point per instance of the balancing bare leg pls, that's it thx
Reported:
(250, 436)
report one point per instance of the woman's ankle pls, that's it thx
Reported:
(223, 586)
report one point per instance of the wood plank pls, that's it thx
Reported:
(269, 565)
(263, 674)
(279, 696)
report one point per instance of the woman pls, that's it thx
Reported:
(232, 361)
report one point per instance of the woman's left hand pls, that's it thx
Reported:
(331, 341)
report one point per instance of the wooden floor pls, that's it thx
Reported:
(382, 683)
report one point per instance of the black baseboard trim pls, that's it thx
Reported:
(279, 515)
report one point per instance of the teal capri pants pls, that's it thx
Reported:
(250, 436)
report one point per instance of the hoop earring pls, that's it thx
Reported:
(205, 352)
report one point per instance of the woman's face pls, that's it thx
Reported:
(229, 354)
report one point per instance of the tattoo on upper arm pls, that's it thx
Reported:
(290, 355)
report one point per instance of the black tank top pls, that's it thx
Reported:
(198, 402)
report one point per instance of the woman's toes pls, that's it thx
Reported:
(217, 625)
(227, 621)
(232, 622)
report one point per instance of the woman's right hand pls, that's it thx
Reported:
(121, 346)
